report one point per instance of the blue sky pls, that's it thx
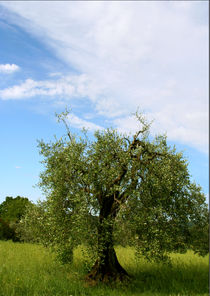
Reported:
(104, 60)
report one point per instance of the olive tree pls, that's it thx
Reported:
(115, 188)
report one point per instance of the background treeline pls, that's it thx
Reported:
(11, 212)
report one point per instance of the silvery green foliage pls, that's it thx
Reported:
(154, 204)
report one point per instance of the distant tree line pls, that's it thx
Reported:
(11, 212)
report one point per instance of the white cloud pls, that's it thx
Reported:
(65, 87)
(128, 124)
(131, 53)
(8, 68)
(55, 74)
(186, 125)
(77, 122)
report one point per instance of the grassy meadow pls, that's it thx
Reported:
(27, 269)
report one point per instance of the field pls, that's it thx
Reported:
(27, 269)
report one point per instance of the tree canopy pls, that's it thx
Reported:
(114, 189)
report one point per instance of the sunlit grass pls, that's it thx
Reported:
(27, 269)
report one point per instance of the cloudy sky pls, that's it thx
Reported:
(104, 60)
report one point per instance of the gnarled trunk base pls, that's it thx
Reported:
(107, 269)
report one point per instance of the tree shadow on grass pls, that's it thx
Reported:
(171, 280)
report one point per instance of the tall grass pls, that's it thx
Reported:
(27, 269)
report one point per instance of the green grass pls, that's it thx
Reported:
(27, 269)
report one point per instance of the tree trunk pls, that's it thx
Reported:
(107, 267)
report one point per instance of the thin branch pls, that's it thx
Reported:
(67, 128)
(127, 140)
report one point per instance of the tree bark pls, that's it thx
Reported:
(107, 267)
